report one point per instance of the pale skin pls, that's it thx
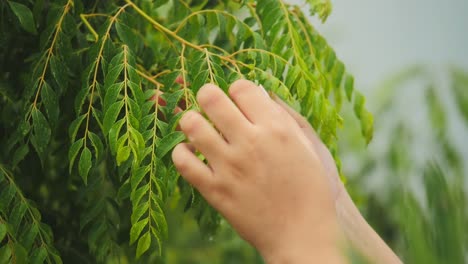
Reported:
(272, 179)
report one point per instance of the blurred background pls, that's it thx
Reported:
(376, 38)
(410, 60)
(407, 45)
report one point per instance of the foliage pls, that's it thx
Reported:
(82, 138)
(420, 209)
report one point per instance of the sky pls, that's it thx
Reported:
(378, 37)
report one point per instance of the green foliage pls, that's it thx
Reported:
(26, 238)
(86, 137)
(460, 89)
(440, 229)
(421, 208)
(24, 16)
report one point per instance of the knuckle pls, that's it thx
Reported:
(179, 157)
(219, 190)
(208, 95)
(182, 167)
(240, 86)
(189, 123)
(251, 137)
(279, 131)
(246, 151)
(236, 159)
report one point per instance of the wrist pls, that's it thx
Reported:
(359, 235)
(320, 245)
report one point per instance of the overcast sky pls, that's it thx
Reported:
(378, 37)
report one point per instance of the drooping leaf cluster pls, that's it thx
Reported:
(26, 238)
(91, 93)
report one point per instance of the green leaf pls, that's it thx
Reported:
(54, 254)
(80, 99)
(74, 126)
(111, 94)
(114, 135)
(73, 152)
(39, 255)
(143, 244)
(199, 81)
(123, 153)
(24, 15)
(136, 229)
(127, 35)
(59, 71)
(46, 232)
(321, 8)
(301, 88)
(5, 254)
(29, 236)
(85, 164)
(42, 131)
(367, 124)
(338, 72)
(20, 254)
(169, 142)
(111, 116)
(359, 102)
(331, 59)
(124, 191)
(221, 23)
(19, 154)
(17, 215)
(138, 175)
(97, 144)
(349, 86)
(6, 196)
(112, 75)
(292, 76)
(139, 211)
(3, 231)
(159, 218)
(50, 100)
(137, 195)
(274, 16)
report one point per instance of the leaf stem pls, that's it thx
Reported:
(149, 78)
(208, 62)
(184, 77)
(96, 69)
(162, 28)
(50, 51)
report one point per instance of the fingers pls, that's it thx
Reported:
(222, 112)
(191, 168)
(252, 101)
(203, 135)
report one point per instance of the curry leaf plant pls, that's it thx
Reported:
(91, 94)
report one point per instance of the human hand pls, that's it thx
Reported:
(359, 234)
(322, 151)
(263, 174)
